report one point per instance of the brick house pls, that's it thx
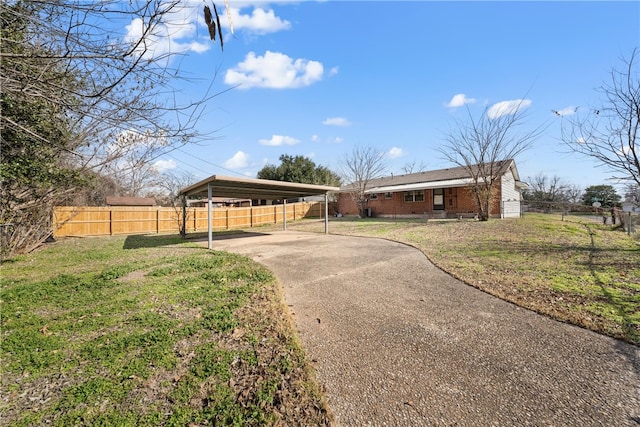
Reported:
(440, 193)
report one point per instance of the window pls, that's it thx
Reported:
(414, 196)
(438, 198)
(388, 195)
(373, 196)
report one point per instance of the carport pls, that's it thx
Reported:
(250, 188)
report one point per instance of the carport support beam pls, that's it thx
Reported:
(183, 228)
(209, 215)
(326, 213)
(284, 211)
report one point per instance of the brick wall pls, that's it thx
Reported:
(456, 201)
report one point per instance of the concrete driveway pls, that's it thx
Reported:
(397, 342)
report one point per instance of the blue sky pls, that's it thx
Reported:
(318, 78)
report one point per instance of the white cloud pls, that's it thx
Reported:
(333, 71)
(315, 138)
(260, 21)
(177, 34)
(507, 107)
(336, 121)
(311, 155)
(238, 161)
(274, 70)
(279, 140)
(164, 165)
(460, 100)
(395, 152)
(184, 30)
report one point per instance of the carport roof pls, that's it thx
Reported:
(251, 188)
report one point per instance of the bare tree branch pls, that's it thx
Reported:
(482, 145)
(609, 133)
(359, 168)
(74, 78)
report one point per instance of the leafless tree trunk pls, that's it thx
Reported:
(483, 146)
(359, 167)
(609, 133)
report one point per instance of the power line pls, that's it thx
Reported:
(207, 162)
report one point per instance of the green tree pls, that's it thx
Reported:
(37, 165)
(604, 194)
(299, 169)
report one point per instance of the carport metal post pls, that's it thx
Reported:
(284, 211)
(209, 215)
(326, 213)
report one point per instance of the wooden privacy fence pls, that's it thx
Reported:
(104, 221)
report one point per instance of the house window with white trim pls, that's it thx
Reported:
(414, 196)
(373, 196)
(388, 195)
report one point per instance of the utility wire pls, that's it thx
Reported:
(209, 163)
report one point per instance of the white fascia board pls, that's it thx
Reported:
(461, 182)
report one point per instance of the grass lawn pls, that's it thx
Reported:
(153, 330)
(149, 330)
(577, 270)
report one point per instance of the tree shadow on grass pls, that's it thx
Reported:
(138, 241)
(630, 330)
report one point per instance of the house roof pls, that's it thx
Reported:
(441, 178)
(250, 188)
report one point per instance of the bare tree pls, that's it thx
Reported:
(481, 145)
(543, 188)
(133, 164)
(573, 194)
(632, 194)
(609, 133)
(74, 78)
(170, 183)
(413, 168)
(551, 192)
(359, 168)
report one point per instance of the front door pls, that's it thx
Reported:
(438, 199)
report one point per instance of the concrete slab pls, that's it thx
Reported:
(397, 342)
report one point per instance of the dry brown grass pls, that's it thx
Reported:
(577, 270)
